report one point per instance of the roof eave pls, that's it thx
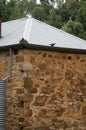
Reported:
(55, 49)
(24, 44)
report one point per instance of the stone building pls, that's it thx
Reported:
(47, 88)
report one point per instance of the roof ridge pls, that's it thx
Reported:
(27, 29)
(60, 30)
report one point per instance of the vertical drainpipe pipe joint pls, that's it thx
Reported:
(0, 25)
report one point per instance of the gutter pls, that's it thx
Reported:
(24, 44)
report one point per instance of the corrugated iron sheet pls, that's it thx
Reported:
(2, 104)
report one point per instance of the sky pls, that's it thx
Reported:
(38, 1)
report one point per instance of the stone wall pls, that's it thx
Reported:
(47, 90)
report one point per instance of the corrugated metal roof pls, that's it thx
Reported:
(12, 32)
(38, 33)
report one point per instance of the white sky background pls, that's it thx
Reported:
(38, 1)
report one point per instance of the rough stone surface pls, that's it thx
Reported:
(47, 90)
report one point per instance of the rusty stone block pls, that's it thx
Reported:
(28, 82)
(69, 75)
(16, 51)
(64, 57)
(28, 85)
(19, 58)
(28, 98)
(20, 104)
(21, 119)
(20, 91)
(43, 113)
(32, 59)
(27, 113)
(61, 111)
(83, 89)
(42, 66)
(69, 57)
(77, 57)
(50, 56)
(84, 111)
(33, 90)
(82, 82)
(44, 54)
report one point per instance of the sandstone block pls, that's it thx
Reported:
(16, 52)
(84, 111)
(28, 82)
(42, 66)
(21, 119)
(64, 57)
(83, 89)
(28, 113)
(82, 82)
(19, 58)
(20, 91)
(32, 59)
(61, 111)
(40, 100)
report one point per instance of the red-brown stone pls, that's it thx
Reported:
(33, 90)
(21, 119)
(28, 113)
(28, 83)
(77, 57)
(20, 58)
(64, 57)
(42, 66)
(16, 52)
(20, 91)
(44, 54)
(84, 111)
(61, 111)
(32, 59)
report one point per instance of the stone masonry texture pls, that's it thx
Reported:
(47, 90)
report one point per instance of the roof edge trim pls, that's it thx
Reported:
(24, 44)
(55, 49)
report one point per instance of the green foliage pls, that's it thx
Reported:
(73, 27)
(4, 9)
(54, 18)
(37, 15)
(82, 14)
(44, 1)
